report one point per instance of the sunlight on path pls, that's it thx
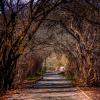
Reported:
(52, 87)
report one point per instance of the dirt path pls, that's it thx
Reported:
(52, 87)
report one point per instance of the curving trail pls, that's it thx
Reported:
(52, 87)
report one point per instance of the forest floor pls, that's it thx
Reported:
(52, 86)
(92, 92)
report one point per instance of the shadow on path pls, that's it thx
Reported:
(53, 86)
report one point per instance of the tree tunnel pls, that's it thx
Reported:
(30, 34)
(54, 36)
(76, 46)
